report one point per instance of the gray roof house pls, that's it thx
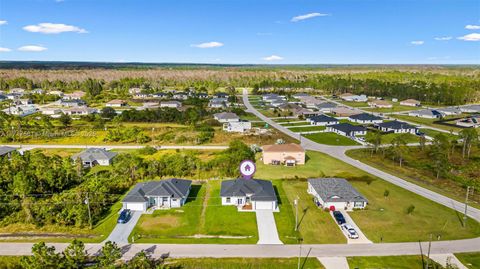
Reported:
(335, 193)
(426, 113)
(226, 117)
(322, 120)
(325, 106)
(167, 193)
(249, 194)
(93, 156)
(365, 118)
(6, 151)
(447, 111)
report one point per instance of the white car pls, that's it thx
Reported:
(351, 233)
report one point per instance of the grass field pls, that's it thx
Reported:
(307, 129)
(354, 104)
(433, 133)
(390, 262)
(409, 138)
(245, 263)
(287, 120)
(285, 218)
(470, 260)
(331, 139)
(395, 108)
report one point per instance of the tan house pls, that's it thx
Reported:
(410, 102)
(345, 111)
(117, 103)
(380, 104)
(286, 154)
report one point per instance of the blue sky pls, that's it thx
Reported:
(242, 31)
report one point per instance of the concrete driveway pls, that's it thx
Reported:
(267, 229)
(121, 231)
(362, 239)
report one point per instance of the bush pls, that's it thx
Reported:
(410, 209)
(148, 150)
(386, 193)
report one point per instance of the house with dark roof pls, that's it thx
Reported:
(6, 151)
(221, 95)
(396, 127)
(249, 194)
(365, 118)
(322, 120)
(325, 107)
(426, 113)
(95, 156)
(347, 129)
(169, 193)
(224, 117)
(335, 193)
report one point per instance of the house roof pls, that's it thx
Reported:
(258, 189)
(322, 118)
(94, 154)
(365, 117)
(5, 150)
(396, 125)
(380, 102)
(336, 190)
(117, 101)
(347, 127)
(175, 188)
(345, 110)
(221, 94)
(426, 112)
(411, 101)
(171, 103)
(226, 116)
(325, 105)
(283, 148)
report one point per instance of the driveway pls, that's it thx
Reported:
(121, 232)
(362, 239)
(267, 229)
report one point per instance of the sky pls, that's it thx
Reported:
(242, 31)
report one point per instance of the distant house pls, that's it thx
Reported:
(72, 103)
(396, 127)
(18, 90)
(201, 95)
(346, 129)
(380, 104)
(237, 126)
(322, 120)
(221, 95)
(312, 102)
(169, 193)
(6, 151)
(301, 95)
(325, 107)
(171, 104)
(37, 91)
(26, 101)
(305, 112)
(365, 118)
(13, 96)
(218, 102)
(286, 154)
(95, 156)
(57, 93)
(249, 194)
(278, 102)
(449, 111)
(80, 111)
(50, 111)
(345, 111)
(159, 95)
(410, 102)
(117, 103)
(470, 109)
(74, 96)
(426, 113)
(335, 193)
(141, 95)
(180, 96)
(22, 110)
(271, 96)
(133, 91)
(472, 121)
(226, 117)
(353, 98)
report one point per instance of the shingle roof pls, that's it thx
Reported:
(396, 125)
(260, 190)
(226, 115)
(347, 128)
(325, 105)
(365, 117)
(175, 188)
(283, 148)
(5, 150)
(94, 154)
(322, 118)
(336, 190)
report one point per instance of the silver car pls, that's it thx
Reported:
(351, 233)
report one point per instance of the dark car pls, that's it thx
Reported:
(339, 217)
(124, 216)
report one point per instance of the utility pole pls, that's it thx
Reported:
(421, 254)
(87, 202)
(466, 206)
(300, 240)
(428, 253)
(295, 202)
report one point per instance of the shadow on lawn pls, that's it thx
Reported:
(194, 190)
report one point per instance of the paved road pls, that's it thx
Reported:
(339, 153)
(24, 147)
(267, 228)
(121, 232)
(362, 238)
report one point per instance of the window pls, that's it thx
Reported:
(228, 199)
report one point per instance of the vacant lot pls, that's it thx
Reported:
(245, 263)
(331, 139)
(396, 262)
(409, 138)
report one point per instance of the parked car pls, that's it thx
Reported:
(351, 233)
(339, 217)
(124, 216)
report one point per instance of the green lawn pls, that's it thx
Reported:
(470, 260)
(409, 138)
(245, 263)
(395, 108)
(390, 262)
(287, 120)
(285, 219)
(296, 123)
(307, 129)
(433, 133)
(331, 139)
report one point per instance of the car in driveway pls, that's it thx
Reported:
(350, 231)
(125, 216)
(339, 217)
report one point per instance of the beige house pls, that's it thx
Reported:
(380, 104)
(286, 154)
(410, 102)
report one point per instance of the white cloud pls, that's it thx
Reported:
(470, 37)
(3, 22)
(472, 27)
(207, 45)
(53, 28)
(417, 42)
(443, 38)
(307, 16)
(33, 48)
(272, 58)
(5, 49)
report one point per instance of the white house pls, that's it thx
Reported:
(80, 111)
(249, 194)
(237, 126)
(22, 110)
(396, 127)
(335, 193)
(354, 98)
(169, 193)
(226, 117)
(365, 118)
(74, 96)
(171, 104)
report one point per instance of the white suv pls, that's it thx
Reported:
(351, 233)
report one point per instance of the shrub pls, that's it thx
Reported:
(410, 209)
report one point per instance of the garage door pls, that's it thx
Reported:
(263, 205)
(135, 206)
